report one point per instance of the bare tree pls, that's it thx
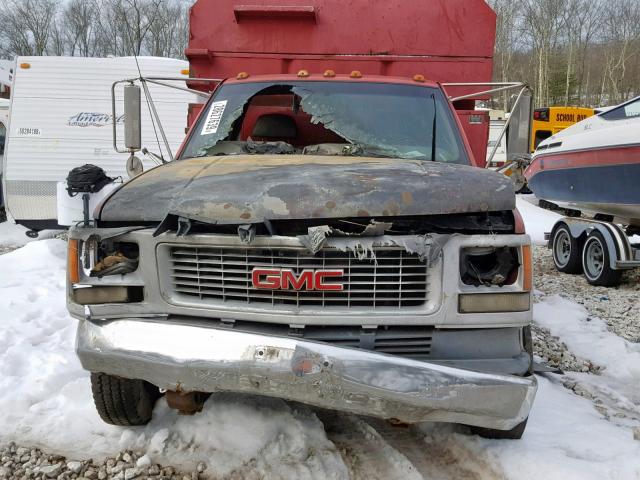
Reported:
(622, 33)
(57, 38)
(507, 39)
(168, 34)
(80, 18)
(543, 20)
(583, 52)
(26, 26)
(137, 18)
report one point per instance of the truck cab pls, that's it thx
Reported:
(320, 237)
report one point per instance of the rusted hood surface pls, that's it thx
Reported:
(252, 188)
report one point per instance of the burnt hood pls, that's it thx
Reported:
(244, 189)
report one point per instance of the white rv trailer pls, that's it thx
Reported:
(61, 118)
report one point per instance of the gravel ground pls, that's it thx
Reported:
(24, 463)
(551, 351)
(618, 307)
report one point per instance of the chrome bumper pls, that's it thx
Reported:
(194, 357)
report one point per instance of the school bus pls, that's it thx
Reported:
(551, 120)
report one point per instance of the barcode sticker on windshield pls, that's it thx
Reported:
(214, 117)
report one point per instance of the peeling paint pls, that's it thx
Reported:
(275, 204)
(407, 198)
(254, 188)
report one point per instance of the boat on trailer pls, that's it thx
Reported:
(592, 170)
(594, 166)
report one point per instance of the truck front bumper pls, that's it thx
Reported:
(190, 356)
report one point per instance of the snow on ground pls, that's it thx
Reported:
(12, 235)
(536, 220)
(589, 337)
(566, 439)
(45, 396)
(45, 400)
(617, 388)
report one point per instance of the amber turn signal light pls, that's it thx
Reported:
(73, 261)
(527, 268)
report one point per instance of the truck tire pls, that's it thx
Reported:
(514, 434)
(596, 262)
(121, 401)
(566, 250)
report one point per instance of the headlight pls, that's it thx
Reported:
(489, 266)
(100, 259)
(92, 258)
(116, 258)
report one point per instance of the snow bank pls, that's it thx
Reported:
(617, 388)
(45, 396)
(12, 235)
(589, 337)
(537, 221)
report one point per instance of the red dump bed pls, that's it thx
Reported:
(444, 40)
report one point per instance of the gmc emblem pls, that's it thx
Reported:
(285, 279)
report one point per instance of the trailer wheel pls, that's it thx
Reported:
(596, 262)
(514, 434)
(566, 250)
(121, 401)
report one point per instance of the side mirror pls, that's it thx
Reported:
(519, 133)
(134, 166)
(132, 118)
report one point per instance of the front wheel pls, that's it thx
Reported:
(121, 401)
(596, 262)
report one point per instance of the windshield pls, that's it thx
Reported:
(328, 118)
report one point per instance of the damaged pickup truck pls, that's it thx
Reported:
(321, 240)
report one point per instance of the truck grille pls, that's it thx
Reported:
(395, 278)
